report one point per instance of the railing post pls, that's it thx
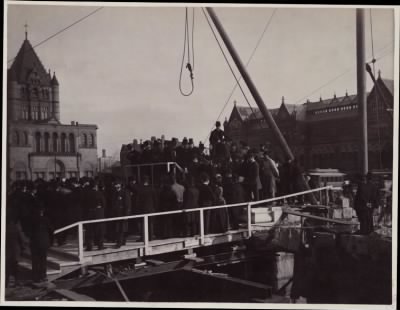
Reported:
(146, 232)
(168, 167)
(201, 226)
(138, 171)
(327, 196)
(80, 242)
(249, 219)
(320, 197)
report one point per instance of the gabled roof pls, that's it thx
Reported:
(389, 85)
(331, 102)
(25, 62)
(246, 112)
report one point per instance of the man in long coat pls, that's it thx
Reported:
(252, 178)
(269, 174)
(122, 207)
(146, 202)
(217, 136)
(365, 202)
(95, 203)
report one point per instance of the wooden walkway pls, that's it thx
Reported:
(72, 255)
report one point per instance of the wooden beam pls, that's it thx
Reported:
(324, 219)
(73, 295)
(251, 284)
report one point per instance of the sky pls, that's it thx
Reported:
(119, 68)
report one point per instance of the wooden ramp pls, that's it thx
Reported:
(72, 255)
(64, 259)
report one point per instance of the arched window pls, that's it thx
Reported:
(15, 138)
(38, 140)
(55, 141)
(71, 138)
(63, 142)
(25, 136)
(91, 140)
(84, 140)
(24, 112)
(47, 142)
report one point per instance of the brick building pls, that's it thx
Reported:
(325, 133)
(39, 145)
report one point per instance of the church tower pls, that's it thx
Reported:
(33, 96)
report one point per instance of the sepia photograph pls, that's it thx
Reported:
(198, 155)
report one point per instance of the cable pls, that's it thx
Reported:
(62, 30)
(226, 59)
(193, 39)
(189, 65)
(247, 63)
(341, 74)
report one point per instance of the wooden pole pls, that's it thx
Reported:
(254, 92)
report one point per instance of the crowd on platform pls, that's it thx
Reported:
(229, 174)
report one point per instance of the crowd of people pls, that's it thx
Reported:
(227, 174)
(261, 175)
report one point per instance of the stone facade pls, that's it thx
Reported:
(325, 133)
(39, 146)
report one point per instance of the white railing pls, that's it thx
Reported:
(201, 210)
(171, 166)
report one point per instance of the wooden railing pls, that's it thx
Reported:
(170, 166)
(145, 218)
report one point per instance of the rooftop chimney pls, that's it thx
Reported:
(103, 153)
(73, 123)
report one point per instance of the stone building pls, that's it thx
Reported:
(325, 133)
(39, 145)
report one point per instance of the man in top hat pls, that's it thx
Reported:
(192, 151)
(216, 138)
(95, 202)
(122, 207)
(182, 153)
(147, 154)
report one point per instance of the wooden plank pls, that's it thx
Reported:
(154, 262)
(318, 217)
(232, 279)
(73, 295)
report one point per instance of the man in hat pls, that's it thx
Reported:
(146, 202)
(182, 153)
(252, 178)
(40, 235)
(365, 202)
(268, 175)
(95, 203)
(217, 136)
(192, 151)
(157, 157)
(147, 154)
(122, 207)
(170, 150)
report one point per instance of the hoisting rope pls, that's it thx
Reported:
(186, 52)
